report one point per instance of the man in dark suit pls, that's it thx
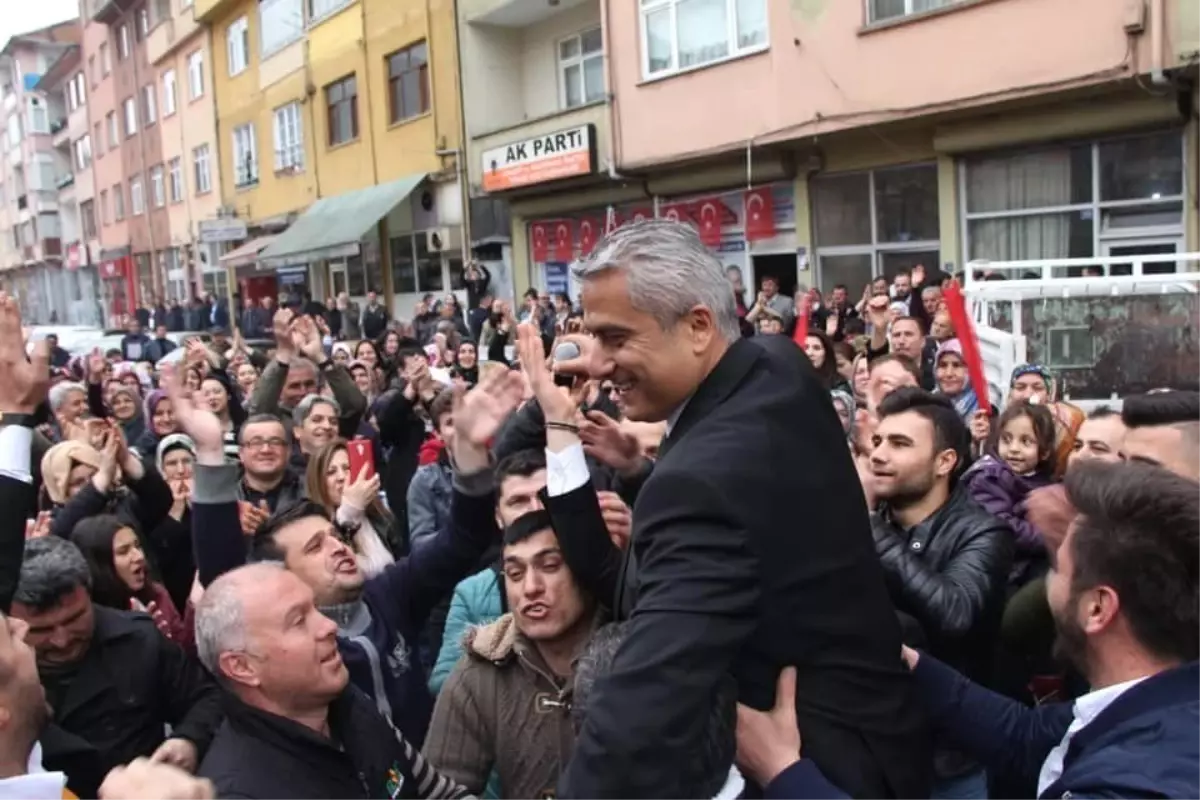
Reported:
(751, 546)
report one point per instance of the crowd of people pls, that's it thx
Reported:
(665, 543)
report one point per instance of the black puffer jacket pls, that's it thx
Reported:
(947, 577)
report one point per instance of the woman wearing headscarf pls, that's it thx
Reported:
(950, 374)
(160, 422)
(171, 539)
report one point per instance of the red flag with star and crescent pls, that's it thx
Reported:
(590, 231)
(641, 213)
(539, 238)
(564, 240)
(708, 214)
(676, 212)
(760, 214)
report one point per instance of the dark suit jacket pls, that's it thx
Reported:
(752, 551)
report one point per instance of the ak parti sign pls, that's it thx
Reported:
(553, 156)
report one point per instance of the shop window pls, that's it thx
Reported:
(875, 223)
(1069, 201)
(404, 272)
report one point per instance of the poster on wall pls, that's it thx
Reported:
(732, 253)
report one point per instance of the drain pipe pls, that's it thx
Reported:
(610, 100)
(1157, 44)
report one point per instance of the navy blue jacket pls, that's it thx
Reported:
(381, 655)
(1146, 744)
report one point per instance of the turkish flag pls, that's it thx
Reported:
(709, 214)
(639, 214)
(590, 230)
(956, 304)
(539, 239)
(760, 213)
(678, 212)
(564, 240)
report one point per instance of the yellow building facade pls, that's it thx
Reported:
(319, 99)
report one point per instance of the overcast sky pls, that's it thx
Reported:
(20, 16)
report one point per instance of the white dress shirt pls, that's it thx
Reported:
(36, 784)
(566, 470)
(1087, 708)
(16, 443)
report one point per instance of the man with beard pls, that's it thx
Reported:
(1123, 590)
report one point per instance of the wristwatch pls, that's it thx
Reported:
(13, 418)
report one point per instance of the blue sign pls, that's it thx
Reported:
(557, 277)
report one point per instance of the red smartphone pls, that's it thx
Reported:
(360, 454)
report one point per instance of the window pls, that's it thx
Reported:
(681, 34)
(113, 137)
(195, 75)
(87, 218)
(104, 210)
(143, 23)
(341, 100)
(202, 168)
(118, 196)
(1067, 200)
(95, 76)
(98, 138)
(581, 69)
(158, 194)
(149, 107)
(175, 170)
(105, 60)
(880, 10)
(289, 138)
(123, 43)
(245, 158)
(72, 95)
(168, 82)
(82, 148)
(875, 223)
(237, 45)
(318, 9)
(39, 118)
(137, 201)
(130, 117)
(185, 4)
(280, 22)
(408, 82)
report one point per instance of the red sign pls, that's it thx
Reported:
(677, 212)
(708, 212)
(115, 267)
(539, 240)
(564, 240)
(590, 230)
(73, 258)
(760, 214)
(640, 214)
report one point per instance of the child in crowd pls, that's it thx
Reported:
(1020, 459)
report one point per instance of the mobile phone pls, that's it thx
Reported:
(361, 454)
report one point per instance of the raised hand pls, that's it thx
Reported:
(307, 338)
(199, 423)
(604, 440)
(39, 526)
(363, 490)
(831, 325)
(479, 412)
(24, 381)
(97, 365)
(557, 405)
(143, 779)
(110, 460)
(252, 516)
(617, 518)
(281, 327)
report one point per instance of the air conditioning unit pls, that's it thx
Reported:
(439, 240)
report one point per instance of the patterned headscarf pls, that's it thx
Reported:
(1040, 371)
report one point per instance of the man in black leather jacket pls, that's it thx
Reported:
(945, 558)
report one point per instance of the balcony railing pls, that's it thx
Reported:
(107, 12)
(57, 125)
(64, 181)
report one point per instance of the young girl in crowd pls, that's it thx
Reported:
(121, 577)
(1020, 459)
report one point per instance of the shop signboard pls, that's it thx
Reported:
(561, 154)
(557, 278)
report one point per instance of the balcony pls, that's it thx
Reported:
(59, 134)
(64, 181)
(207, 10)
(106, 12)
(513, 13)
(161, 41)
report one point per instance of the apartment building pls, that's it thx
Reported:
(186, 181)
(65, 86)
(825, 143)
(30, 169)
(339, 136)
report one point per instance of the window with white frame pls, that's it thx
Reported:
(280, 22)
(202, 168)
(105, 60)
(113, 137)
(149, 105)
(143, 23)
(118, 197)
(137, 200)
(581, 68)
(880, 10)
(237, 45)
(123, 43)
(83, 152)
(175, 179)
(868, 224)
(168, 82)
(39, 118)
(74, 94)
(323, 8)
(289, 138)
(245, 157)
(158, 192)
(682, 34)
(185, 3)
(1069, 200)
(195, 64)
(130, 107)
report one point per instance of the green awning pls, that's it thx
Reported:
(333, 227)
